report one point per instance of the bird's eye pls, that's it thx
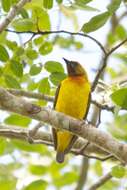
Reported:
(72, 65)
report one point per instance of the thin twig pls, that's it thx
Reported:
(109, 156)
(104, 63)
(99, 158)
(100, 72)
(122, 16)
(29, 40)
(101, 181)
(99, 118)
(116, 47)
(61, 31)
(103, 106)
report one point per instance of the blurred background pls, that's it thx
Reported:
(34, 63)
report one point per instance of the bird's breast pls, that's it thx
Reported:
(73, 97)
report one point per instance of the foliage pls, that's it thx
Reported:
(34, 63)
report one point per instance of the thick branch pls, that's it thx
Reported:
(44, 138)
(40, 96)
(61, 121)
(29, 94)
(12, 13)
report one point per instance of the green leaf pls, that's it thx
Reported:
(53, 66)
(111, 38)
(23, 24)
(65, 42)
(68, 178)
(1, 71)
(11, 82)
(4, 56)
(46, 48)
(95, 22)
(19, 51)
(18, 120)
(48, 4)
(38, 169)
(81, 4)
(24, 13)
(120, 97)
(31, 54)
(44, 86)
(38, 184)
(6, 4)
(3, 37)
(39, 40)
(17, 68)
(121, 32)
(122, 57)
(118, 171)
(34, 3)
(35, 69)
(59, 1)
(2, 145)
(56, 78)
(78, 45)
(8, 184)
(83, 1)
(114, 6)
(32, 85)
(98, 168)
(38, 148)
(42, 18)
(12, 45)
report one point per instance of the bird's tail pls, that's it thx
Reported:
(60, 157)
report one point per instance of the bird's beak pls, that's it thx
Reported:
(69, 63)
(66, 61)
(70, 67)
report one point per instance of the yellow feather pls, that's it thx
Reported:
(72, 100)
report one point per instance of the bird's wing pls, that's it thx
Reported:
(54, 131)
(74, 138)
(88, 106)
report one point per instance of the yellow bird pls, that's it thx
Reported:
(72, 98)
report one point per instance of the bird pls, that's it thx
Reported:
(72, 98)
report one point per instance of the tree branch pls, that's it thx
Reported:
(117, 46)
(29, 94)
(100, 72)
(105, 56)
(59, 32)
(104, 63)
(40, 96)
(83, 174)
(101, 181)
(43, 137)
(12, 13)
(103, 106)
(59, 120)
